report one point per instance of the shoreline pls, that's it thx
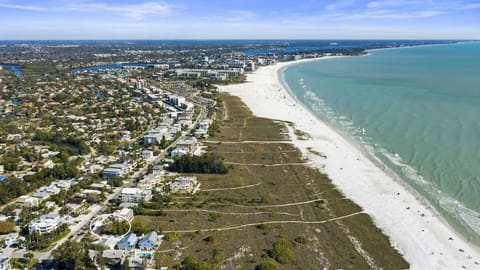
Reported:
(412, 224)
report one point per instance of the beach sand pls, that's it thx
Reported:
(414, 228)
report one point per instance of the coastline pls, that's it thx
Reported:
(414, 227)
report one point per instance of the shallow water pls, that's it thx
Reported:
(416, 109)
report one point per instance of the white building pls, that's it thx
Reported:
(135, 195)
(184, 185)
(27, 201)
(45, 224)
(4, 262)
(126, 213)
(11, 239)
(117, 170)
(187, 144)
(178, 153)
(146, 154)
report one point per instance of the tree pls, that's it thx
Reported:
(116, 228)
(139, 227)
(281, 251)
(6, 227)
(267, 265)
(73, 255)
(207, 163)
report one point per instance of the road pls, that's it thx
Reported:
(81, 224)
(78, 230)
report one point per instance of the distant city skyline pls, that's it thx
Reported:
(247, 19)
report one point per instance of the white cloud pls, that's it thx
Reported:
(136, 10)
(372, 4)
(22, 7)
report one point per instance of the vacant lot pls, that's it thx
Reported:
(269, 194)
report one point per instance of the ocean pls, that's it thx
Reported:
(416, 110)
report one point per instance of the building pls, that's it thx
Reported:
(41, 195)
(178, 153)
(125, 213)
(155, 135)
(146, 154)
(184, 185)
(149, 241)
(128, 242)
(187, 144)
(27, 201)
(11, 239)
(135, 195)
(135, 263)
(45, 224)
(117, 170)
(113, 257)
(109, 242)
(4, 262)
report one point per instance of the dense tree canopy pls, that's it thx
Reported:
(207, 163)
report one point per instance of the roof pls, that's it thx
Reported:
(130, 238)
(3, 257)
(109, 242)
(151, 236)
(113, 254)
(131, 191)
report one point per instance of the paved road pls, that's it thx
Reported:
(78, 230)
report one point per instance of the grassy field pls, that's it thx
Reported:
(269, 194)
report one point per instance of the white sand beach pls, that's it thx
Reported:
(416, 230)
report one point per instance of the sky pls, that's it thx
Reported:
(239, 19)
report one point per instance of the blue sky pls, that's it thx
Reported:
(239, 19)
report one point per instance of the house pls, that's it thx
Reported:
(110, 242)
(146, 154)
(27, 201)
(126, 137)
(102, 185)
(184, 185)
(4, 262)
(45, 224)
(50, 204)
(52, 190)
(117, 170)
(178, 152)
(149, 241)
(46, 163)
(135, 263)
(155, 135)
(113, 257)
(187, 144)
(128, 242)
(75, 208)
(125, 213)
(62, 184)
(11, 239)
(135, 195)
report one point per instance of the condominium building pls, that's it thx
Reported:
(45, 224)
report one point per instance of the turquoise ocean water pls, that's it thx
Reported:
(416, 109)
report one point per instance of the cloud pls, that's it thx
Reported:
(232, 16)
(21, 7)
(470, 6)
(139, 10)
(136, 10)
(372, 4)
(339, 4)
(241, 15)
